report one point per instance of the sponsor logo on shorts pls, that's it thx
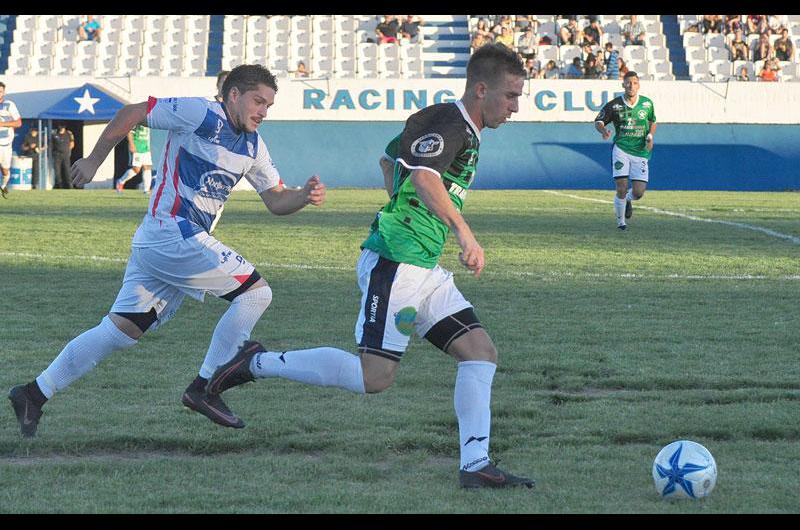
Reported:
(618, 164)
(427, 146)
(225, 256)
(373, 308)
(404, 320)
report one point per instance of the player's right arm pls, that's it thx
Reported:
(83, 171)
(387, 163)
(602, 120)
(432, 192)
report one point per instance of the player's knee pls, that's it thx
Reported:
(487, 353)
(373, 384)
(637, 194)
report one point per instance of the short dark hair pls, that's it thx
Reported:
(630, 73)
(2, 84)
(221, 74)
(247, 77)
(490, 62)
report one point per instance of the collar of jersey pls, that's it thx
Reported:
(460, 106)
(634, 103)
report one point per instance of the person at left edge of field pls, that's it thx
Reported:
(634, 119)
(139, 147)
(209, 147)
(9, 120)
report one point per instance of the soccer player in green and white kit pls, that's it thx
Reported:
(139, 146)
(427, 171)
(634, 119)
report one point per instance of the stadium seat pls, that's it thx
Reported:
(656, 66)
(547, 53)
(323, 51)
(567, 52)
(717, 54)
(720, 70)
(344, 67)
(693, 40)
(322, 38)
(344, 24)
(658, 53)
(367, 68)
(389, 51)
(367, 50)
(630, 53)
(751, 69)
(278, 24)
(412, 67)
(389, 68)
(321, 67)
(695, 53)
(321, 24)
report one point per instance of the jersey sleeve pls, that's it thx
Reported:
(176, 114)
(12, 109)
(392, 148)
(652, 113)
(605, 115)
(263, 175)
(430, 143)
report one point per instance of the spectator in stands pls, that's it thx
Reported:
(570, 33)
(506, 37)
(31, 146)
(221, 76)
(387, 29)
(783, 46)
(574, 70)
(545, 41)
(738, 47)
(478, 40)
(63, 143)
(769, 72)
(550, 71)
(90, 29)
(776, 24)
(633, 32)
(482, 29)
(763, 49)
(526, 44)
(732, 23)
(611, 61)
(757, 24)
(744, 73)
(504, 22)
(301, 70)
(592, 33)
(533, 67)
(712, 24)
(523, 22)
(586, 51)
(591, 68)
(623, 68)
(409, 29)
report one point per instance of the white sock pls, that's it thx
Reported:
(318, 366)
(81, 354)
(472, 397)
(234, 327)
(147, 179)
(126, 176)
(629, 196)
(619, 210)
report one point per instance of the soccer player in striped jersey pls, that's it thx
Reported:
(210, 146)
(427, 172)
(634, 119)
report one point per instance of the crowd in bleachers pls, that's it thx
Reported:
(741, 47)
(579, 46)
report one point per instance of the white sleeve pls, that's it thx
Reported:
(263, 175)
(12, 109)
(176, 114)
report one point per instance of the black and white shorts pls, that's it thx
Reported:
(399, 299)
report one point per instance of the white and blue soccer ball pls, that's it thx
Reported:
(684, 469)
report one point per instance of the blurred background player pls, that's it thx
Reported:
(427, 171)
(9, 120)
(634, 119)
(62, 142)
(139, 146)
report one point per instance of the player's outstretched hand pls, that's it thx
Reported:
(472, 258)
(82, 172)
(4, 192)
(315, 191)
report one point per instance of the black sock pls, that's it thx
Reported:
(199, 383)
(35, 394)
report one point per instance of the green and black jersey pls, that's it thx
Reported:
(631, 123)
(442, 139)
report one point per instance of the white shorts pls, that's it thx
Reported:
(6, 153)
(399, 299)
(141, 159)
(625, 165)
(159, 277)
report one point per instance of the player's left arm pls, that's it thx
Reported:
(281, 200)
(652, 132)
(16, 119)
(387, 168)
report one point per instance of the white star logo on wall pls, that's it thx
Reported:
(86, 102)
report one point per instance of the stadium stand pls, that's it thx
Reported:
(344, 46)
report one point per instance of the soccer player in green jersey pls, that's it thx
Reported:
(634, 119)
(427, 172)
(141, 159)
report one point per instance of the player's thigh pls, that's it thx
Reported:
(198, 265)
(379, 372)
(5, 158)
(391, 294)
(141, 292)
(474, 345)
(620, 163)
(640, 169)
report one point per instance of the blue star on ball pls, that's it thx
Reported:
(676, 474)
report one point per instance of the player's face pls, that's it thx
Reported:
(250, 108)
(501, 101)
(631, 86)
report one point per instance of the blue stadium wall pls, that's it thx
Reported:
(550, 155)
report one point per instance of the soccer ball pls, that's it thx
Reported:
(684, 469)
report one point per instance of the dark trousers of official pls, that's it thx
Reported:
(35, 172)
(63, 179)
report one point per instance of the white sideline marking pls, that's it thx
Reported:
(773, 233)
(552, 274)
